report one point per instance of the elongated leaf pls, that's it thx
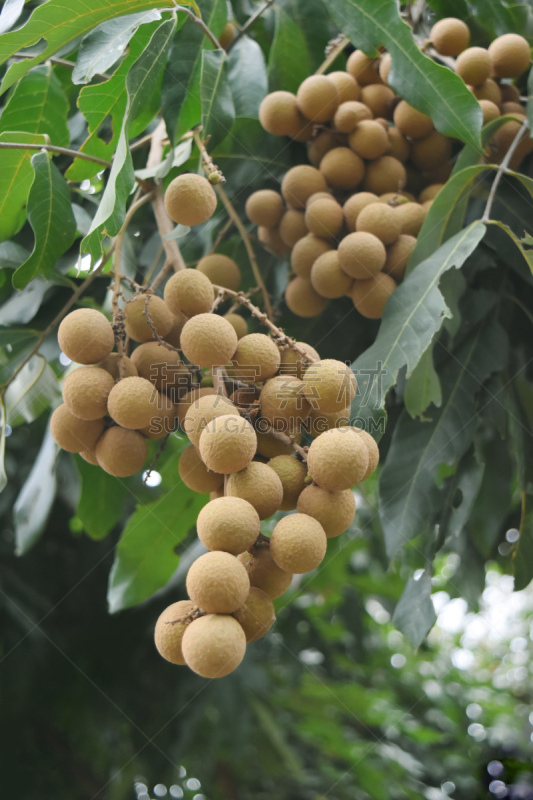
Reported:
(423, 386)
(101, 500)
(464, 488)
(38, 104)
(218, 111)
(493, 499)
(22, 306)
(499, 18)
(16, 177)
(289, 62)
(3, 426)
(12, 255)
(250, 153)
(247, 77)
(50, 215)
(35, 499)
(433, 89)
(414, 614)
(521, 426)
(33, 391)
(11, 11)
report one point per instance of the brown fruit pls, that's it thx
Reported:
(162, 367)
(369, 139)
(208, 340)
(184, 403)
(489, 90)
(293, 363)
(110, 364)
(370, 296)
(398, 256)
(298, 543)
(264, 573)
(302, 299)
(72, 433)
(230, 524)
(190, 199)
(385, 174)
(169, 630)
(450, 36)
(214, 645)
(349, 115)
(328, 278)
(333, 510)
(85, 392)
(121, 452)
(347, 87)
(279, 114)
(318, 147)
(329, 385)
(271, 240)
(431, 152)
(510, 55)
(259, 486)
(137, 312)
(430, 192)
(292, 474)
(163, 419)
(324, 218)
(256, 358)
(283, 403)
(373, 451)
(195, 474)
(270, 446)
(353, 206)
(202, 411)
(317, 98)
(229, 32)
(398, 145)
(379, 99)
(257, 615)
(90, 458)
(265, 207)
(318, 421)
(299, 183)
(474, 65)
(131, 403)
(86, 336)
(510, 93)
(361, 255)
(292, 227)
(189, 292)
(338, 459)
(512, 108)
(305, 252)
(363, 68)
(217, 582)
(173, 336)
(220, 270)
(238, 323)
(227, 444)
(380, 220)
(411, 216)
(411, 122)
(342, 168)
(490, 111)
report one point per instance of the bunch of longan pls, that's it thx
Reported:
(351, 217)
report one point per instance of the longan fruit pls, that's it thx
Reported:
(328, 278)
(121, 452)
(317, 98)
(271, 240)
(265, 207)
(279, 114)
(292, 474)
(338, 459)
(283, 403)
(90, 458)
(474, 65)
(510, 55)
(137, 326)
(370, 296)
(255, 359)
(190, 199)
(189, 292)
(305, 252)
(85, 392)
(411, 122)
(270, 446)
(213, 645)
(511, 108)
(431, 152)
(229, 32)
(186, 400)
(380, 220)
(230, 524)
(173, 336)
(398, 256)
(72, 433)
(221, 270)
(342, 168)
(334, 510)
(349, 114)
(490, 111)
(324, 218)
(450, 36)
(361, 255)
(385, 64)
(355, 204)
(318, 147)
(363, 68)
(373, 451)
(208, 340)
(131, 403)
(379, 99)
(318, 196)
(293, 363)
(162, 367)
(227, 444)
(245, 396)
(509, 93)
(298, 543)
(299, 183)
(257, 614)
(195, 474)
(238, 323)
(163, 419)
(292, 227)
(302, 299)
(369, 139)
(329, 385)
(385, 174)
(111, 363)
(411, 216)
(430, 192)
(489, 90)
(202, 411)
(318, 421)
(169, 630)
(217, 582)
(86, 336)
(258, 485)
(398, 145)
(264, 573)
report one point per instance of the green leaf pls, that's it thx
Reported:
(499, 18)
(521, 428)
(463, 490)
(289, 62)
(38, 104)
(50, 215)
(423, 386)
(11, 11)
(493, 500)
(16, 177)
(12, 255)
(22, 306)
(33, 391)
(414, 614)
(433, 89)
(14, 336)
(250, 151)
(247, 77)
(35, 499)
(3, 426)
(218, 111)
(141, 81)
(101, 500)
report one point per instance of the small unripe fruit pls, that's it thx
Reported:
(474, 65)
(385, 174)
(292, 474)
(229, 32)
(111, 363)
(329, 385)
(260, 486)
(264, 573)
(214, 645)
(342, 168)
(338, 459)
(373, 451)
(450, 36)
(398, 256)
(327, 277)
(162, 367)
(227, 444)
(379, 99)
(86, 336)
(411, 122)
(302, 299)
(510, 55)
(218, 583)
(347, 87)
(121, 452)
(334, 510)
(363, 68)
(283, 403)
(190, 199)
(85, 392)
(131, 403)
(169, 630)
(305, 252)
(293, 363)
(299, 183)
(279, 114)
(411, 216)
(380, 220)
(349, 115)
(369, 139)
(202, 411)
(361, 255)
(370, 296)
(298, 543)
(220, 270)
(208, 340)
(137, 326)
(72, 433)
(272, 241)
(230, 524)
(195, 474)
(238, 323)
(324, 218)
(292, 227)
(257, 615)
(189, 292)
(255, 359)
(270, 446)
(317, 98)
(354, 205)
(265, 207)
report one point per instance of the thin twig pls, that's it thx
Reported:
(62, 62)
(249, 22)
(154, 329)
(219, 385)
(52, 148)
(334, 53)
(223, 231)
(288, 439)
(201, 24)
(163, 273)
(502, 168)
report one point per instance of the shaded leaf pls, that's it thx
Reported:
(12, 255)
(3, 426)
(494, 496)
(499, 18)
(16, 177)
(22, 306)
(247, 77)
(462, 490)
(521, 427)
(423, 386)
(289, 62)
(38, 104)
(101, 500)
(250, 153)
(529, 104)
(218, 111)
(11, 11)
(33, 391)
(414, 614)
(35, 499)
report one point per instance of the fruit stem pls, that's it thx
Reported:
(201, 24)
(338, 46)
(289, 439)
(250, 21)
(502, 168)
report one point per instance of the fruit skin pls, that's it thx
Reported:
(474, 65)
(227, 444)
(333, 510)
(264, 573)
(255, 359)
(265, 207)
(338, 459)
(361, 255)
(110, 364)
(380, 220)
(369, 139)
(298, 543)
(305, 252)
(510, 55)
(217, 583)
(259, 486)
(370, 296)
(349, 115)
(85, 392)
(318, 421)
(379, 99)
(279, 114)
(398, 256)
(363, 68)
(342, 168)
(292, 474)
(214, 645)
(411, 216)
(162, 367)
(411, 122)
(385, 174)
(490, 111)
(269, 446)
(292, 227)
(90, 458)
(230, 524)
(324, 218)
(302, 299)
(121, 452)
(173, 336)
(72, 433)
(169, 634)
(221, 270)
(271, 240)
(86, 336)
(293, 363)
(184, 403)
(450, 36)
(398, 145)
(189, 292)
(163, 419)
(317, 98)
(319, 146)
(354, 205)
(329, 385)
(195, 474)
(229, 32)
(299, 183)
(430, 192)
(257, 615)
(373, 451)
(431, 152)
(202, 411)
(131, 403)
(238, 323)
(385, 64)
(327, 277)
(208, 340)
(137, 326)
(190, 199)
(283, 403)
(489, 90)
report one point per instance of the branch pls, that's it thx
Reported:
(502, 168)
(52, 148)
(337, 46)
(289, 439)
(201, 24)
(248, 24)
(61, 62)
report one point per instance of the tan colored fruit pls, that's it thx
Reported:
(271, 240)
(327, 277)
(214, 645)
(202, 411)
(184, 403)
(450, 36)
(110, 364)
(474, 65)
(333, 510)
(489, 90)
(397, 199)
(86, 336)
(318, 421)
(318, 147)
(227, 444)
(121, 452)
(510, 93)
(512, 108)
(264, 573)
(349, 115)
(379, 99)
(411, 122)
(190, 199)
(217, 582)
(342, 168)
(230, 524)
(324, 217)
(292, 474)
(380, 220)
(162, 367)
(347, 87)
(256, 358)
(72, 433)
(85, 392)
(504, 137)
(260, 486)
(90, 458)
(490, 111)
(283, 403)
(173, 336)
(299, 183)
(431, 152)
(305, 252)
(302, 299)
(361, 255)
(398, 256)
(131, 403)
(238, 323)
(292, 227)
(265, 207)
(208, 340)
(220, 270)
(195, 474)
(293, 363)
(257, 615)
(245, 396)
(279, 114)
(216, 494)
(373, 451)
(317, 98)
(298, 543)
(329, 385)
(369, 139)
(318, 196)
(385, 174)
(137, 326)
(189, 292)
(363, 68)
(370, 296)
(411, 216)
(338, 459)
(398, 145)
(163, 419)
(269, 446)
(385, 64)
(169, 630)
(229, 32)
(510, 55)
(430, 192)
(355, 204)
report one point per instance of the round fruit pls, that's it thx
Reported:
(111, 364)
(293, 363)
(208, 340)
(305, 252)
(299, 183)
(239, 325)
(292, 474)
(163, 419)
(173, 336)
(190, 199)
(342, 168)
(370, 296)
(214, 645)
(338, 459)
(72, 433)
(334, 510)
(137, 325)
(264, 573)
(272, 241)
(431, 152)
(329, 385)
(302, 299)
(202, 411)
(490, 111)
(195, 474)
(265, 207)
(85, 392)
(283, 403)
(328, 278)
(411, 122)
(259, 486)
(510, 55)
(324, 218)
(510, 93)
(319, 146)
(450, 36)
(279, 114)
(430, 192)
(255, 359)
(349, 115)
(398, 145)
(230, 524)
(90, 458)
(131, 402)
(257, 615)
(319, 421)
(385, 174)
(188, 398)
(379, 99)
(269, 446)
(363, 68)
(361, 255)
(474, 65)
(398, 256)
(373, 451)
(229, 32)
(380, 220)
(217, 582)
(292, 227)
(86, 336)
(355, 204)
(317, 98)
(121, 452)
(162, 367)
(411, 216)
(298, 543)
(489, 90)
(220, 270)
(385, 64)
(227, 444)
(189, 292)
(169, 630)
(369, 140)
